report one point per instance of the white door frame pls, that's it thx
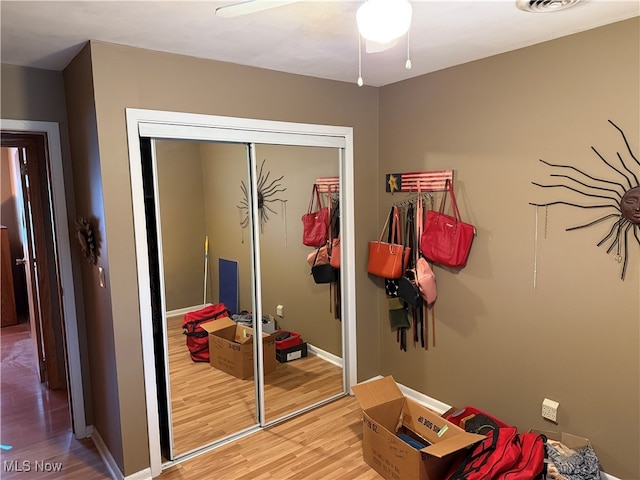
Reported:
(155, 124)
(61, 233)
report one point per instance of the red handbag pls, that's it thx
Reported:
(315, 224)
(388, 260)
(446, 240)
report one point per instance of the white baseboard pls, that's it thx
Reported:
(329, 357)
(182, 311)
(421, 398)
(105, 454)
(141, 475)
(110, 463)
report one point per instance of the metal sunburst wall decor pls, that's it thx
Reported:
(267, 194)
(619, 197)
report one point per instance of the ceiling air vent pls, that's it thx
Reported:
(545, 6)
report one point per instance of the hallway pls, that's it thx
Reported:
(35, 422)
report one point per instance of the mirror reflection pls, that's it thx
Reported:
(307, 314)
(204, 228)
(197, 221)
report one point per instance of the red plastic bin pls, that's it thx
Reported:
(291, 340)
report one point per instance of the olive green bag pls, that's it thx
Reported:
(398, 315)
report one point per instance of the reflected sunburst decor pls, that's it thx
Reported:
(267, 193)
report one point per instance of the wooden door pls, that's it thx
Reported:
(9, 315)
(40, 263)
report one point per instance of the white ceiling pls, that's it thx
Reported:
(312, 38)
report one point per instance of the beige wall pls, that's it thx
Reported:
(38, 95)
(182, 219)
(87, 176)
(501, 344)
(128, 77)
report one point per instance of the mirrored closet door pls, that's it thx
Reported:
(197, 220)
(309, 369)
(221, 224)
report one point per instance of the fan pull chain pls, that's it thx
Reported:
(360, 82)
(408, 65)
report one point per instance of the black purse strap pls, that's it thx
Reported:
(409, 234)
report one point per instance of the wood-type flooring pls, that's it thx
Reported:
(324, 443)
(208, 404)
(35, 423)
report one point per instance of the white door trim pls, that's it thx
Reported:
(159, 124)
(76, 394)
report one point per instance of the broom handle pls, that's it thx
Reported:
(206, 264)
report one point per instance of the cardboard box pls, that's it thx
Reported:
(572, 441)
(271, 326)
(291, 353)
(387, 413)
(231, 348)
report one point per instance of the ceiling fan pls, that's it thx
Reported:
(249, 6)
(373, 45)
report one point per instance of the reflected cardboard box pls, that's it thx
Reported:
(231, 348)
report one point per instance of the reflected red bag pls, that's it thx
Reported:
(446, 239)
(197, 337)
(315, 224)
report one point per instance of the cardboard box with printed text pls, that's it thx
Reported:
(387, 413)
(231, 348)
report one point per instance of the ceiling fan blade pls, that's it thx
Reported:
(249, 6)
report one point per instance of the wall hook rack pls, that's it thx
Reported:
(429, 181)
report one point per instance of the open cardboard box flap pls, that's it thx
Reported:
(377, 392)
(218, 324)
(572, 441)
(443, 435)
(452, 444)
(226, 328)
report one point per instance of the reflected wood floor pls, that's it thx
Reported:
(323, 444)
(209, 404)
(36, 422)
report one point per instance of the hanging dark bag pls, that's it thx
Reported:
(408, 289)
(323, 273)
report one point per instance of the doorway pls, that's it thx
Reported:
(37, 152)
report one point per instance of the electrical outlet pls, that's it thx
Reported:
(550, 410)
(280, 311)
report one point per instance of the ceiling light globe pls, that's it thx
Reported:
(384, 20)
